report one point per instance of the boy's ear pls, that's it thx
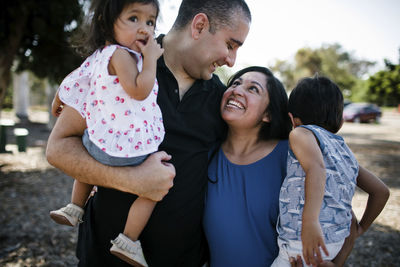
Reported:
(200, 23)
(295, 121)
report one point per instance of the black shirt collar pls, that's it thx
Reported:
(161, 64)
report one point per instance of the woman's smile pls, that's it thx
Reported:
(232, 103)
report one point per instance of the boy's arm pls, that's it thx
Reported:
(306, 149)
(152, 179)
(136, 84)
(378, 195)
(341, 257)
(347, 247)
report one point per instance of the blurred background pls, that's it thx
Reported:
(355, 43)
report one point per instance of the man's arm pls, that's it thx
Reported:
(152, 179)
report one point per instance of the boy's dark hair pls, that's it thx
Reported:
(101, 29)
(279, 125)
(317, 101)
(220, 13)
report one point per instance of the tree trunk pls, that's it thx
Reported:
(51, 90)
(21, 95)
(8, 54)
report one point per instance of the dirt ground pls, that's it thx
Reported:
(30, 188)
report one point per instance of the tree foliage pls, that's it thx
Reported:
(329, 60)
(35, 35)
(384, 86)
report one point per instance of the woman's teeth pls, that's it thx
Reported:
(235, 104)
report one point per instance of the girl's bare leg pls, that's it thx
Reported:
(80, 193)
(138, 215)
(72, 213)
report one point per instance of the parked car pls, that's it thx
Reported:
(362, 112)
(346, 102)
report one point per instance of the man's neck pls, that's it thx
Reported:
(174, 53)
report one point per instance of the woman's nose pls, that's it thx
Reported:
(238, 90)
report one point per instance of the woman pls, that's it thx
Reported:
(247, 170)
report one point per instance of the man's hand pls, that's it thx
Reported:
(152, 179)
(157, 176)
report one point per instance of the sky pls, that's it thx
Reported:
(369, 29)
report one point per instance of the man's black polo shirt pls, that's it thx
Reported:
(192, 125)
(173, 235)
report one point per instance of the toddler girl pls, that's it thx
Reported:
(115, 90)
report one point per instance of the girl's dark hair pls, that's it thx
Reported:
(101, 29)
(317, 101)
(279, 125)
(220, 13)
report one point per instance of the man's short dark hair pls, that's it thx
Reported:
(219, 12)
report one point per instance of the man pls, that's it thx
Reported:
(205, 35)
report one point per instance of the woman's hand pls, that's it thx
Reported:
(299, 263)
(296, 262)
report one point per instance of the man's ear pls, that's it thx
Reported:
(200, 23)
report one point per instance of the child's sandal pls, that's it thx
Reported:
(128, 251)
(70, 215)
